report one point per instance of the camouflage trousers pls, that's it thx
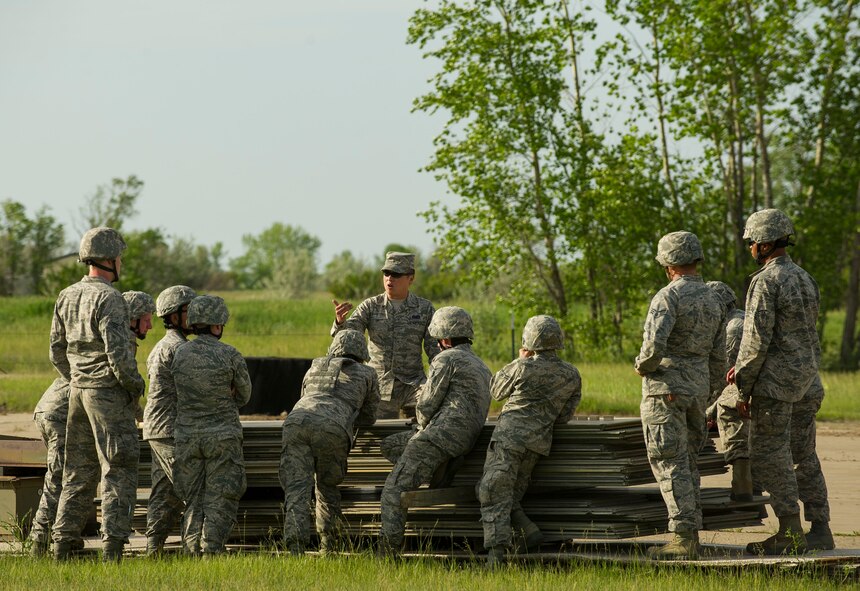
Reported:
(392, 447)
(54, 436)
(812, 489)
(416, 465)
(506, 478)
(165, 507)
(402, 403)
(101, 436)
(312, 452)
(674, 434)
(770, 453)
(209, 474)
(734, 429)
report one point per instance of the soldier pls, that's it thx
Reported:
(681, 359)
(165, 506)
(450, 413)
(541, 390)
(338, 390)
(140, 309)
(212, 383)
(777, 363)
(396, 322)
(90, 348)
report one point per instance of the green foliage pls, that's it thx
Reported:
(27, 246)
(112, 204)
(282, 257)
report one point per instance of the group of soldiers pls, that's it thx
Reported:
(196, 386)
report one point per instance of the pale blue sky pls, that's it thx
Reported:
(235, 114)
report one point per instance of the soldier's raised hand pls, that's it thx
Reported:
(341, 310)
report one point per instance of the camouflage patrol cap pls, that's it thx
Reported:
(542, 333)
(139, 304)
(679, 248)
(349, 342)
(207, 309)
(399, 262)
(768, 225)
(725, 293)
(173, 298)
(451, 322)
(100, 243)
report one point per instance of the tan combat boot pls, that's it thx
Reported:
(788, 540)
(820, 537)
(684, 546)
(742, 488)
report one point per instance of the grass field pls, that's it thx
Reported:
(364, 572)
(262, 324)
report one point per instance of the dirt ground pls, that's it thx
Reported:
(838, 449)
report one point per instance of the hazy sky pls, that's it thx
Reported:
(235, 115)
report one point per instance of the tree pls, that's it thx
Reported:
(27, 245)
(282, 257)
(112, 204)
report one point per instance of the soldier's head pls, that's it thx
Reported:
(725, 294)
(451, 326)
(679, 253)
(172, 307)
(207, 314)
(542, 333)
(349, 343)
(101, 249)
(398, 273)
(140, 310)
(768, 232)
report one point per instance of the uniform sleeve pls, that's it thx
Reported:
(502, 384)
(113, 326)
(358, 320)
(734, 335)
(573, 402)
(434, 392)
(658, 327)
(717, 361)
(58, 347)
(758, 332)
(367, 412)
(241, 381)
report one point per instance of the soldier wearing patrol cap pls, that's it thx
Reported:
(681, 362)
(397, 324)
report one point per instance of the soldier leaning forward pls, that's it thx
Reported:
(338, 390)
(212, 383)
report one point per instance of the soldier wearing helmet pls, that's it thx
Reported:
(165, 507)
(212, 383)
(396, 322)
(338, 391)
(541, 389)
(681, 359)
(141, 307)
(450, 413)
(777, 365)
(90, 348)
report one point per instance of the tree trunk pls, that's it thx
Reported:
(661, 119)
(848, 350)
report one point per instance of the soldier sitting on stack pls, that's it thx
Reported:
(541, 390)
(337, 391)
(212, 383)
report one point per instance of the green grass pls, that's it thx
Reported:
(363, 572)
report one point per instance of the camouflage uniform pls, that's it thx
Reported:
(337, 391)
(682, 360)
(50, 417)
(812, 489)
(212, 382)
(734, 429)
(396, 334)
(540, 391)
(451, 411)
(90, 348)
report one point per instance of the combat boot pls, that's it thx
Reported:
(742, 488)
(684, 546)
(294, 547)
(154, 546)
(820, 537)
(39, 547)
(63, 551)
(496, 557)
(788, 540)
(112, 551)
(328, 545)
(527, 535)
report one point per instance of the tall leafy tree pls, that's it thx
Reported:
(281, 257)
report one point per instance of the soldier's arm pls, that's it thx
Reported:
(758, 332)
(575, 397)
(359, 320)
(734, 335)
(434, 392)
(58, 355)
(241, 381)
(658, 326)
(367, 413)
(502, 384)
(113, 326)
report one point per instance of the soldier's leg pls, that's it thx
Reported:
(165, 507)
(401, 404)
(80, 474)
(392, 446)
(296, 472)
(735, 434)
(770, 453)
(54, 436)
(189, 479)
(697, 434)
(812, 488)
(225, 485)
(331, 448)
(496, 493)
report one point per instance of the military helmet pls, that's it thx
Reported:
(207, 309)
(679, 248)
(768, 225)
(542, 333)
(100, 243)
(139, 304)
(349, 342)
(725, 293)
(451, 322)
(172, 299)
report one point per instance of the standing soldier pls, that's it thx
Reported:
(776, 365)
(396, 322)
(338, 390)
(165, 507)
(541, 390)
(681, 359)
(212, 383)
(451, 412)
(90, 348)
